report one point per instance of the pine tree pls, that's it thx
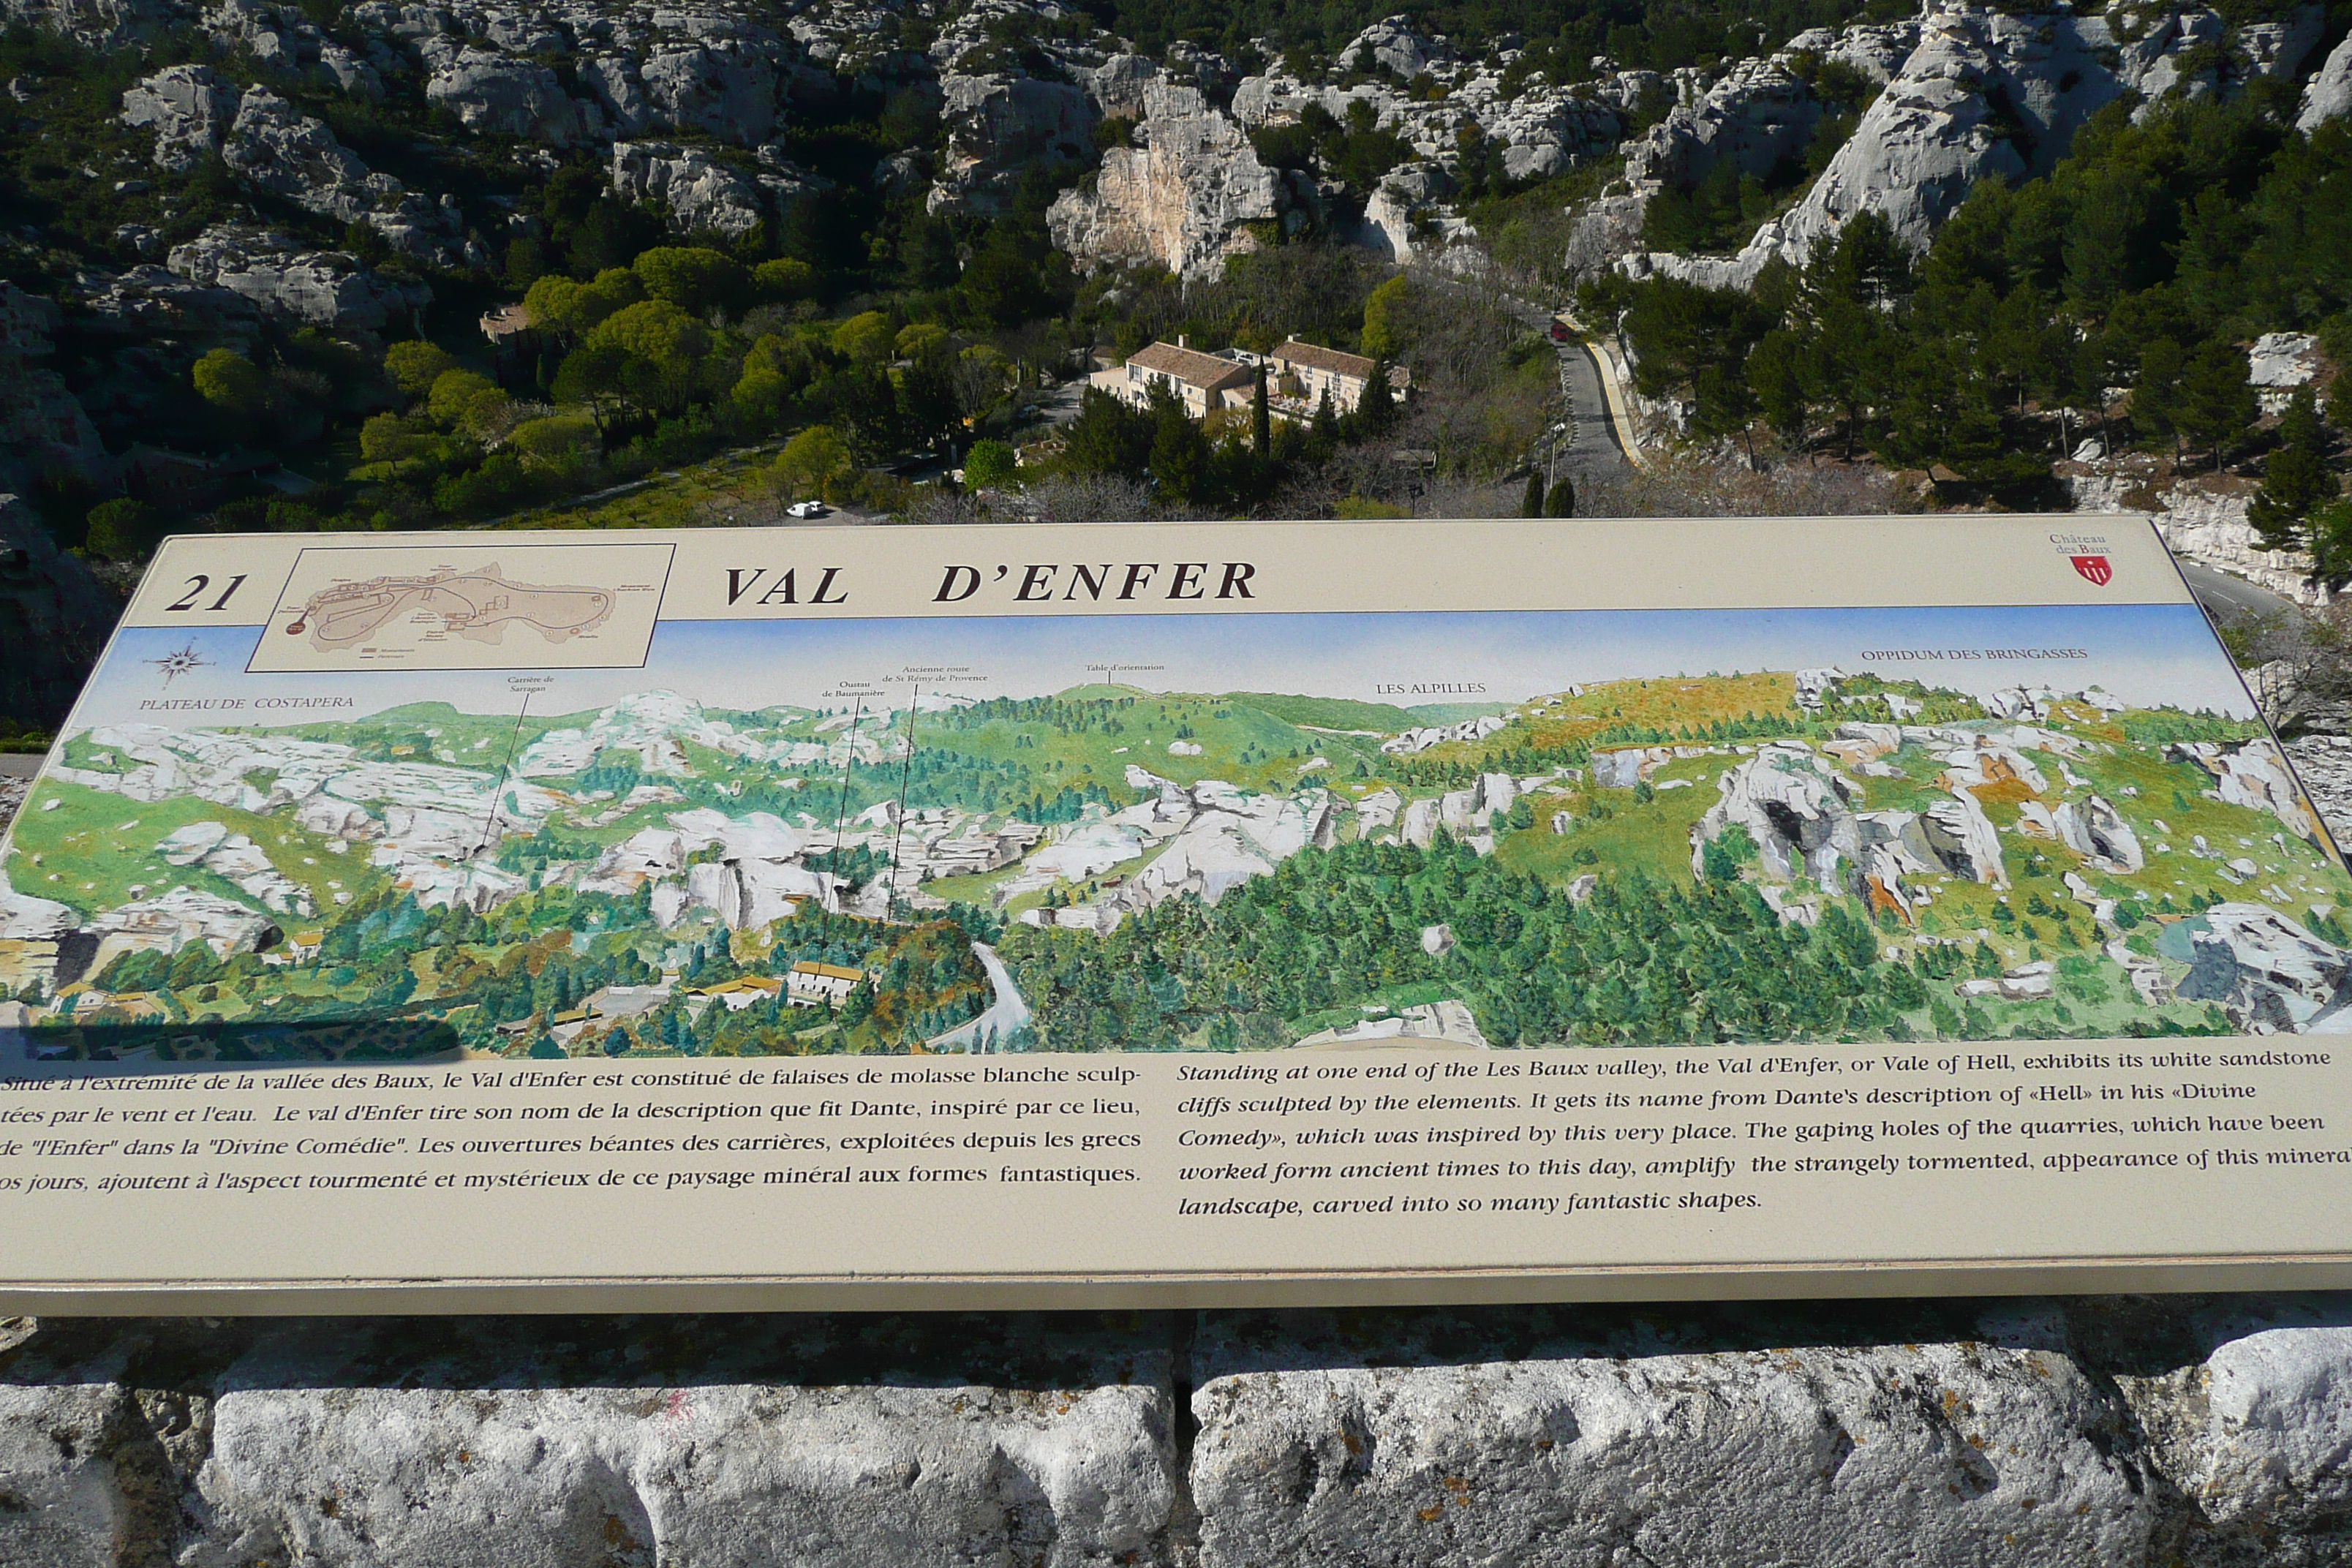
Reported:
(2294, 477)
(1560, 499)
(1532, 504)
(1376, 409)
(1260, 417)
(1325, 429)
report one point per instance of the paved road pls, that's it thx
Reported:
(2228, 598)
(1593, 445)
(1005, 1015)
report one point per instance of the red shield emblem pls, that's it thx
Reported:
(2094, 567)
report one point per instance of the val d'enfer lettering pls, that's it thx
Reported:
(1037, 582)
(745, 582)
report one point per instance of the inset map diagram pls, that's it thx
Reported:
(589, 606)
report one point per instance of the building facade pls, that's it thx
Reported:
(1303, 372)
(1204, 383)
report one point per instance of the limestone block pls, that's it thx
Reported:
(1325, 1440)
(565, 1443)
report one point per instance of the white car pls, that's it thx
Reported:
(807, 509)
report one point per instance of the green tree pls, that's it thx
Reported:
(590, 377)
(990, 465)
(810, 460)
(1260, 417)
(1376, 409)
(2217, 404)
(785, 280)
(1107, 436)
(416, 364)
(661, 348)
(1560, 499)
(2295, 476)
(1180, 452)
(230, 382)
(1531, 504)
(868, 339)
(695, 278)
(1383, 313)
(1777, 375)
(121, 530)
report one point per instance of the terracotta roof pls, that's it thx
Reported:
(1332, 360)
(1205, 371)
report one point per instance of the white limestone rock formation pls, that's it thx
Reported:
(1420, 739)
(1755, 115)
(96, 24)
(1181, 196)
(1979, 87)
(725, 87)
(999, 126)
(699, 192)
(1964, 840)
(702, 192)
(319, 288)
(1393, 45)
(1795, 809)
(274, 147)
(1979, 93)
(1406, 218)
(188, 107)
(2328, 94)
(490, 92)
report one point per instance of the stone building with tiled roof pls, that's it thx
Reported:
(1204, 383)
(1304, 371)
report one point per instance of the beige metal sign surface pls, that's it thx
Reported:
(1168, 914)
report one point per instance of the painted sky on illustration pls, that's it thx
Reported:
(2150, 655)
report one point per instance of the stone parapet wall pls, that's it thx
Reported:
(2095, 1431)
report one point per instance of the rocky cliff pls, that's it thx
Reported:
(1183, 195)
(1967, 95)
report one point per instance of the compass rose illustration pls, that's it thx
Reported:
(175, 665)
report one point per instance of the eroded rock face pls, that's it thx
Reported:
(100, 24)
(277, 148)
(327, 289)
(189, 108)
(490, 92)
(999, 126)
(1180, 196)
(1983, 94)
(703, 194)
(1756, 115)
(2328, 95)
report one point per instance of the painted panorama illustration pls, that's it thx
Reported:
(1267, 832)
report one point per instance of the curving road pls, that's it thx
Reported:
(2228, 598)
(1006, 1014)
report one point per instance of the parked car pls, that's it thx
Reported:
(807, 509)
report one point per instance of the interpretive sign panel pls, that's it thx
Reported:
(1171, 914)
